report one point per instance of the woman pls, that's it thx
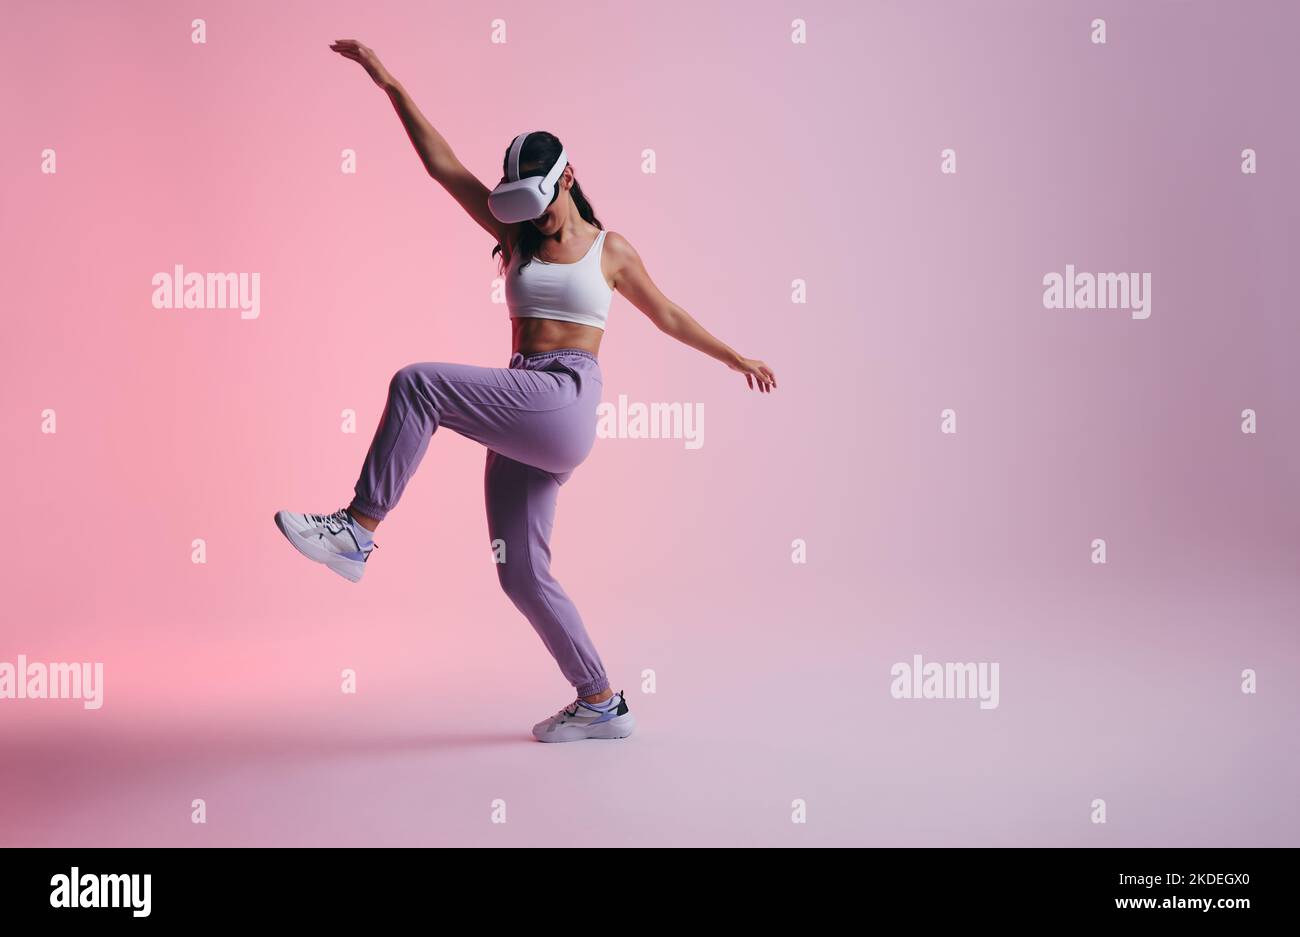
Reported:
(537, 417)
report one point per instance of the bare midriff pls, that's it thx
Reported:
(536, 336)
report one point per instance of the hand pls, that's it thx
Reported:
(755, 370)
(351, 49)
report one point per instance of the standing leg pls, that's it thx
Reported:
(521, 511)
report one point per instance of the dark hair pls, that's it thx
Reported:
(539, 153)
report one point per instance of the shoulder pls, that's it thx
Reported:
(622, 262)
(619, 247)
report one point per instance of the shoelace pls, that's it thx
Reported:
(338, 517)
(570, 710)
(338, 522)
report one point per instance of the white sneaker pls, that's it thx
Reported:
(581, 720)
(336, 540)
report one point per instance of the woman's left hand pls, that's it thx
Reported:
(756, 371)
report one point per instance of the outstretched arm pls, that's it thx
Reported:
(436, 154)
(632, 280)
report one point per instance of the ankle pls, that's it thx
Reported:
(369, 523)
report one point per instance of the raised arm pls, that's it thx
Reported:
(436, 154)
(632, 280)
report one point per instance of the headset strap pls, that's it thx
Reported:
(548, 184)
(512, 164)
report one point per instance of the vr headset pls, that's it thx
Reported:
(518, 199)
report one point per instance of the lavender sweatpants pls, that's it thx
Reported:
(537, 419)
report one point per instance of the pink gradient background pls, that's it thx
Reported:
(775, 161)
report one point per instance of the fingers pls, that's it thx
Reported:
(350, 48)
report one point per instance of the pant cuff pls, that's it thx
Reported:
(362, 506)
(593, 687)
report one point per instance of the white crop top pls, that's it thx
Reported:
(575, 292)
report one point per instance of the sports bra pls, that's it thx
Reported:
(575, 292)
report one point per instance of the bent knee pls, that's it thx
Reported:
(405, 379)
(416, 380)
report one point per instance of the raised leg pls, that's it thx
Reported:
(531, 415)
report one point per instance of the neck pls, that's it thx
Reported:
(575, 227)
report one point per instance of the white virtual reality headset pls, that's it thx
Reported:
(518, 199)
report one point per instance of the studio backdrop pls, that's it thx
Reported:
(1008, 558)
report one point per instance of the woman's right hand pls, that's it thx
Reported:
(351, 49)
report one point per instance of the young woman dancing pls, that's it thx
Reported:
(536, 417)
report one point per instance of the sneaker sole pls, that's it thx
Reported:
(341, 565)
(618, 728)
